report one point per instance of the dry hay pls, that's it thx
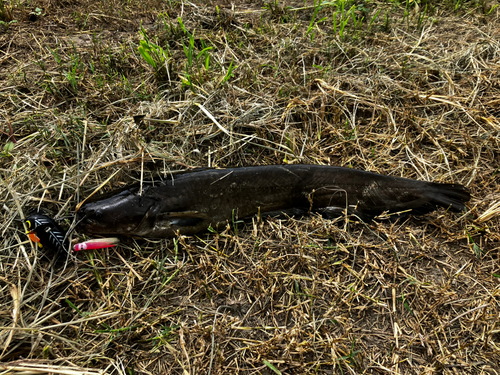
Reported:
(410, 94)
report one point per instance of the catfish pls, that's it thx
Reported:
(192, 202)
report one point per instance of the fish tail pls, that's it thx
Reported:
(448, 196)
(425, 198)
(453, 196)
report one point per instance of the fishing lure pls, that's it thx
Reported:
(45, 232)
(99, 243)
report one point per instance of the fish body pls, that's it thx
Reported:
(192, 202)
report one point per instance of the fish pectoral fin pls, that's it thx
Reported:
(186, 222)
(183, 215)
(183, 218)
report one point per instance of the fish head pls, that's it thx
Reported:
(120, 214)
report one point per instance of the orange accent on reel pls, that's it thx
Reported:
(34, 238)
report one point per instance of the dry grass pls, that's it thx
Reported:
(412, 95)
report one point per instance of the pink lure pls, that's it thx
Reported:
(99, 243)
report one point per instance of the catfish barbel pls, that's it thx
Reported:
(194, 201)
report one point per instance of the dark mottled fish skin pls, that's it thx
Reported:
(192, 202)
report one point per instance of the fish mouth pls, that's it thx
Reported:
(120, 220)
(79, 223)
(87, 222)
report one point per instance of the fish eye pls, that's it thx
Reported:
(98, 214)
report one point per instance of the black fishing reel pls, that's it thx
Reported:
(45, 232)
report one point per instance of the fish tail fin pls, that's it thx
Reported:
(451, 196)
(448, 196)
